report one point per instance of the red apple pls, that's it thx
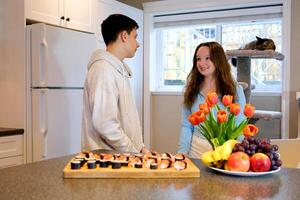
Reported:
(238, 161)
(260, 162)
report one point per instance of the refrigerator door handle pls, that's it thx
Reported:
(44, 58)
(44, 120)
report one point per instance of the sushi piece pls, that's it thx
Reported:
(106, 160)
(180, 165)
(138, 165)
(164, 164)
(153, 165)
(81, 160)
(135, 160)
(166, 156)
(123, 160)
(149, 162)
(91, 164)
(75, 164)
(179, 157)
(116, 164)
(104, 163)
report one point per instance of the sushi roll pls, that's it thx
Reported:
(104, 163)
(134, 160)
(166, 156)
(123, 160)
(75, 164)
(81, 160)
(179, 157)
(116, 164)
(153, 165)
(180, 165)
(149, 162)
(106, 160)
(138, 165)
(164, 164)
(91, 164)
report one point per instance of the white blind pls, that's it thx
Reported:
(219, 16)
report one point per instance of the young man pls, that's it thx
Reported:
(110, 117)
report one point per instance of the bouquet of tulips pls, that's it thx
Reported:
(222, 127)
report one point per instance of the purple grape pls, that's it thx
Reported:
(275, 147)
(274, 167)
(275, 156)
(270, 155)
(278, 163)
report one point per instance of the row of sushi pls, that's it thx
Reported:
(151, 160)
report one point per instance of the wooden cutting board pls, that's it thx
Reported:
(130, 172)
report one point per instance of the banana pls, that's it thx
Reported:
(218, 157)
(231, 142)
(227, 148)
(217, 154)
(207, 158)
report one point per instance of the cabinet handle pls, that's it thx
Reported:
(68, 19)
(62, 17)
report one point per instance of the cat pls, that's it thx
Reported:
(260, 44)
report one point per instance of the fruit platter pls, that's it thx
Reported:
(128, 165)
(236, 149)
(251, 157)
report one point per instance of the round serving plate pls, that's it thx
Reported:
(244, 173)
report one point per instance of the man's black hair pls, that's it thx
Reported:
(114, 24)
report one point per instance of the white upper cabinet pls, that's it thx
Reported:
(74, 14)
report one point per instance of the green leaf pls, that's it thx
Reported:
(237, 132)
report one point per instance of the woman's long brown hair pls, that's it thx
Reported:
(224, 80)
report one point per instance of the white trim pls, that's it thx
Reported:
(166, 93)
(218, 16)
(177, 6)
(179, 93)
(285, 99)
(148, 49)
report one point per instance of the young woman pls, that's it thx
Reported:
(210, 73)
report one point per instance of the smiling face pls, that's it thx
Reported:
(204, 64)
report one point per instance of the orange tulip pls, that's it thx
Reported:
(249, 110)
(194, 120)
(250, 130)
(204, 108)
(197, 117)
(221, 116)
(211, 99)
(234, 108)
(201, 116)
(227, 100)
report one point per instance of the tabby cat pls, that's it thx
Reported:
(258, 44)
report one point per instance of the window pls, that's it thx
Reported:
(178, 43)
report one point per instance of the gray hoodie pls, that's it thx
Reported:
(110, 118)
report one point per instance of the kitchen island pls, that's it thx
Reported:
(44, 180)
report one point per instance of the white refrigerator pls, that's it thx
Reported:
(57, 61)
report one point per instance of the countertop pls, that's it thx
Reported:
(44, 180)
(10, 131)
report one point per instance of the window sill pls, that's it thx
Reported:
(180, 93)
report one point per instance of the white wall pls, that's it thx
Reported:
(12, 68)
(294, 81)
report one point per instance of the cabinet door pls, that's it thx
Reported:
(48, 11)
(79, 14)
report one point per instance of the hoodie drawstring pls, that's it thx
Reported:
(125, 101)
